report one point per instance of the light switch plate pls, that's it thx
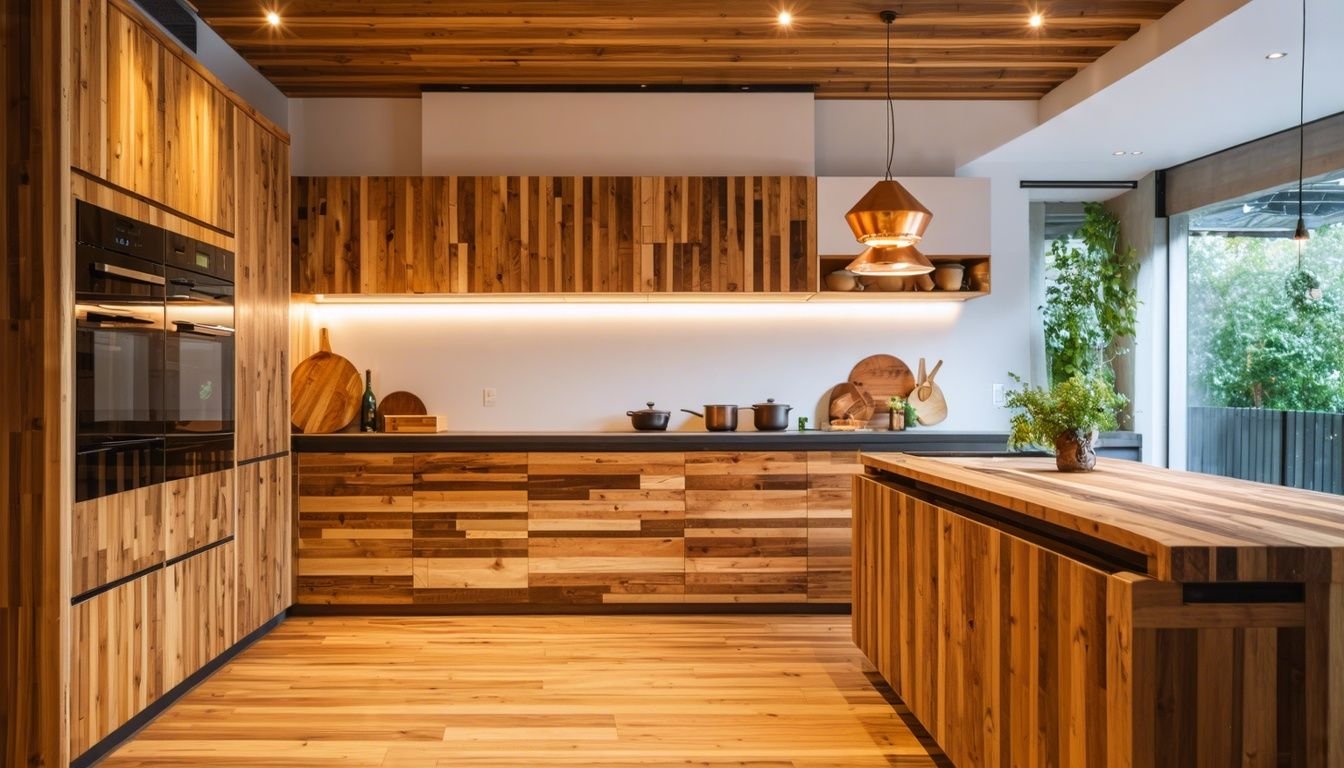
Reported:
(488, 397)
(998, 394)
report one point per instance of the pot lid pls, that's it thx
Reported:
(649, 409)
(770, 403)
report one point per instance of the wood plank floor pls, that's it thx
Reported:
(602, 691)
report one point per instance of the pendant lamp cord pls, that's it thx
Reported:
(1302, 113)
(891, 108)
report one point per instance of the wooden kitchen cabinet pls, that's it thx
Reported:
(261, 299)
(135, 108)
(197, 511)
(200, 614)
(115, 536)
(355, 528)
(550, 234)
(469, 528)
(573, 528)
(197, 145)
(746, 526)
(265, 540)
(606, 527)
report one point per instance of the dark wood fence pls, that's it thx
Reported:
(1301, 449)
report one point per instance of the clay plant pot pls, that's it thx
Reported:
(1075, 451)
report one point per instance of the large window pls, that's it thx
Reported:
(1264, 332)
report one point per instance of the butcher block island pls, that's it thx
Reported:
(1131, 616)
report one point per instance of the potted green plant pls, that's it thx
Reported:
(1064, 419)
(902, 413)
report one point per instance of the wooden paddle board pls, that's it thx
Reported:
(849, 402)
(325, 391)
(927, 398)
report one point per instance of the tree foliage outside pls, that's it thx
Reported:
(1262, 332)
(1090, 298)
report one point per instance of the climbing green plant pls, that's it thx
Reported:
(1090, 298)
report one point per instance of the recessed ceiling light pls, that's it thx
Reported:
(785, 18)
(1119, 153)
(273, 18)
(1036, 20)
(1137, 152)
(1276, 55)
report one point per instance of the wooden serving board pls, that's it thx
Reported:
(927, 398)
(399, 403)
(326, 389)
(882, 377)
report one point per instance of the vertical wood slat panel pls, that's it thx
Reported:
(265, 541)
(397, 235)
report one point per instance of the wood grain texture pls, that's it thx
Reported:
(197, 511)
(36, 292)
(829, 538)
(746, 526)
(355, 528)
(1011, 653)
(135, 111)
(198, 145)
(265, 542)
(606, 527)
(325, 391)
(97, 192)
(261, 299)
(512, 235)
(469, 520)
(940, 49)
(115, 536)
(200, 613)
(116, 658)
(88, 92)
(1192, 527)
(590, 692)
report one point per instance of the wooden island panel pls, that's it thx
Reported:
(606, 527)
(1016, 648)
(469, 540)
(830, 486)
(746, 526)
(355, 528)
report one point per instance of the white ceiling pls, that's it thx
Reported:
(1212, 91)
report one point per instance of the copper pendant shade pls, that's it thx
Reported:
(889, 216)
(905, 261)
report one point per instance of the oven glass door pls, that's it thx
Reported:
(199, 374)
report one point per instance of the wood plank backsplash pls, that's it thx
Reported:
(553, 234)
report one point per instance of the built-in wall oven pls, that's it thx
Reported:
(198, 369)
(153, 355)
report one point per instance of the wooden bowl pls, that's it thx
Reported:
(977, 275)
(842, 280)
(948, 277)
(922, 282)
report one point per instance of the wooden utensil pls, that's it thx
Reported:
(325, 391)
(850, 402)
(881, 377)
(400, 403)
(927, 398)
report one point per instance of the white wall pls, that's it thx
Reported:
(355, 137)
(933, 138)
(617, 134)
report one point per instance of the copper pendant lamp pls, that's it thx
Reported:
(1301, 234)
(889, 220)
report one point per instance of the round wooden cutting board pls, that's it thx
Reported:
(400, 403)
(881, 377)
(325, 391)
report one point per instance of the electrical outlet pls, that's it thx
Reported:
(488, 396)
(998, 394)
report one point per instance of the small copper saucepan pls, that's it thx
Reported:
(718, 418)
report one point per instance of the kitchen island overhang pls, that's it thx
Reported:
(1131, 616)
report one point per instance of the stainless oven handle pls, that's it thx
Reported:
(205, 330)
(129, 274)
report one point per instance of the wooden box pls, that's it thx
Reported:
(407, 424)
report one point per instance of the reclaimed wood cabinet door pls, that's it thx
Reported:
(198, 145)
(261, 298)
(135, 107)
(469, 520)
(746, 527)
(265, 542)
(606, 528)
(88, 86)
(830, 488)
(355, 528)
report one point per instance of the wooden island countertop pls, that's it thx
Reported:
(1191, 527)
(1130, 617)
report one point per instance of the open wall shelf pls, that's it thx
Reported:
(974, 284)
